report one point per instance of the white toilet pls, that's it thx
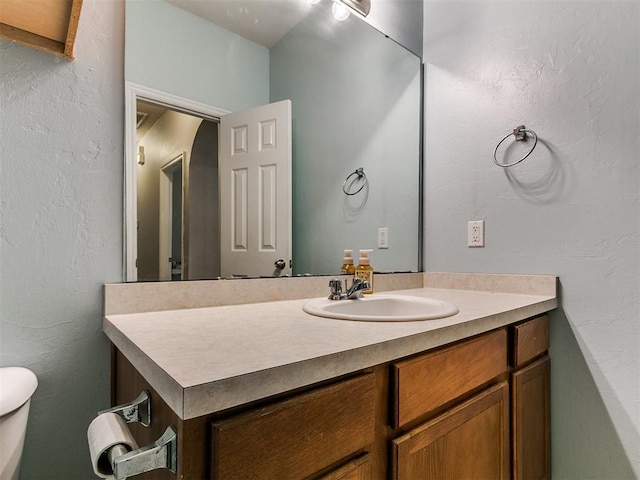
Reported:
(17, 384)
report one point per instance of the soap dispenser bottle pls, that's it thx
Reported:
(347, 263)
(364, 270)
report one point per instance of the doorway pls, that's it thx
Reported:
(177, 200)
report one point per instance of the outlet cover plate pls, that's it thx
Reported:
(475, 233)
(383, 237)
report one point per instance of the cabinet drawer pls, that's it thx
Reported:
(426, 382)
(297, 437)
(529, 340)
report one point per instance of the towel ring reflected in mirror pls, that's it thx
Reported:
(355, 177)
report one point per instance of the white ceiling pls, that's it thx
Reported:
(261, 21)
(152, 114)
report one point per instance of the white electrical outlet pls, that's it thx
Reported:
(383, 237)
(475, 233)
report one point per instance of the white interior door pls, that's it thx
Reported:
(255, 191)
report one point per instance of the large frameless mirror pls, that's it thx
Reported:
(194, 68)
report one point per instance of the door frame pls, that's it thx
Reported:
(133, 93)
(165, 230)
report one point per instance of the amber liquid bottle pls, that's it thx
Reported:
(364, 270)
(347, 263)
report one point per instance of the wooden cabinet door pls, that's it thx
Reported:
(468, 441)
(530, 397)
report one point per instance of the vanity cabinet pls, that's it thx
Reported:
(478, 408)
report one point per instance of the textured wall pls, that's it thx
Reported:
(61, 230)
(569, 71)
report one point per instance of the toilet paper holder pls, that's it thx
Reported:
(139, 410)
(160, 454)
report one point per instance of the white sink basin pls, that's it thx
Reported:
(381, 308)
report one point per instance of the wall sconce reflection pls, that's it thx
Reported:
(140, 155)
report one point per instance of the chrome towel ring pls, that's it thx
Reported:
(520, 133)
(361, 176)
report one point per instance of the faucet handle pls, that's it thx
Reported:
(336, 289)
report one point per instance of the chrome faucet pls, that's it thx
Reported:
(351, 293)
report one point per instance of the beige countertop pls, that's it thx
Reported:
(203, 360)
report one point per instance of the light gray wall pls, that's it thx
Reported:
(367, 116)
(61, 230)
(173, 51)
(569, 71)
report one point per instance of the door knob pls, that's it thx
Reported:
(280, 264)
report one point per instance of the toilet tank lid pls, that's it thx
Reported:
(17, 384)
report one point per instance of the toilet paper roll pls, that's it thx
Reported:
(105, 432)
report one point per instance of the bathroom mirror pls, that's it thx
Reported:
(355, 104)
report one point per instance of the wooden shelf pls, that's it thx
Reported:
(48, 25)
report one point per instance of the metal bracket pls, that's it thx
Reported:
(137, 411)
(163, 453)
(520, 133)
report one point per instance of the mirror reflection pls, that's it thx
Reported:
(355, 104)
(177, 214)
